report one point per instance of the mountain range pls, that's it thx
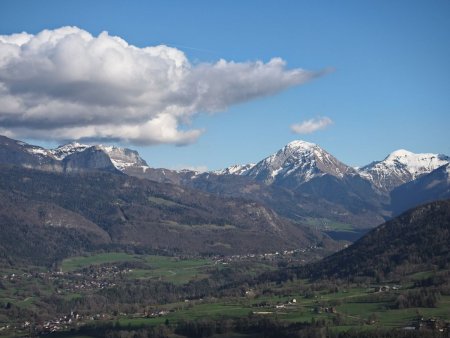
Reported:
(301, 182)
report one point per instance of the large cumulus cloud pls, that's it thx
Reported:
(67, 84)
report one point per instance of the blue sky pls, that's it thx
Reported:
(389, 88)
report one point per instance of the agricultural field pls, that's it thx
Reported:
(155, 291)
(171, 269)
(349, 316)
(349, 308)
(174, 270)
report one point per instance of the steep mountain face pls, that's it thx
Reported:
(416, 240)
(427, 188)
(91, 158)
(400, 167)
(123, 158)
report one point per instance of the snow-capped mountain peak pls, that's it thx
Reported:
(301, 145)
(401, 166)
(417, 164)
(298, 161)
(400, 153)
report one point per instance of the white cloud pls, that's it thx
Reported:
(67, 84)
(311, 125)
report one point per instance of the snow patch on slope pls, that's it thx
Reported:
(37, 151)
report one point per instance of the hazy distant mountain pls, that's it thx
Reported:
(401, 167)
(427, 188)
(416, 240)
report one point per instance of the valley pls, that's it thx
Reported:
(224, 169)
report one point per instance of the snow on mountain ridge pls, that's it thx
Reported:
(294, 164)
(401, 166)
(37, 150)
(237, 169)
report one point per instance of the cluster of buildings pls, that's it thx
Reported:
(432, 324)
(263, 256)
(62, 323)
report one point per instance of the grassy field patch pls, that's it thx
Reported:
(171, 269)
(79, 262)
